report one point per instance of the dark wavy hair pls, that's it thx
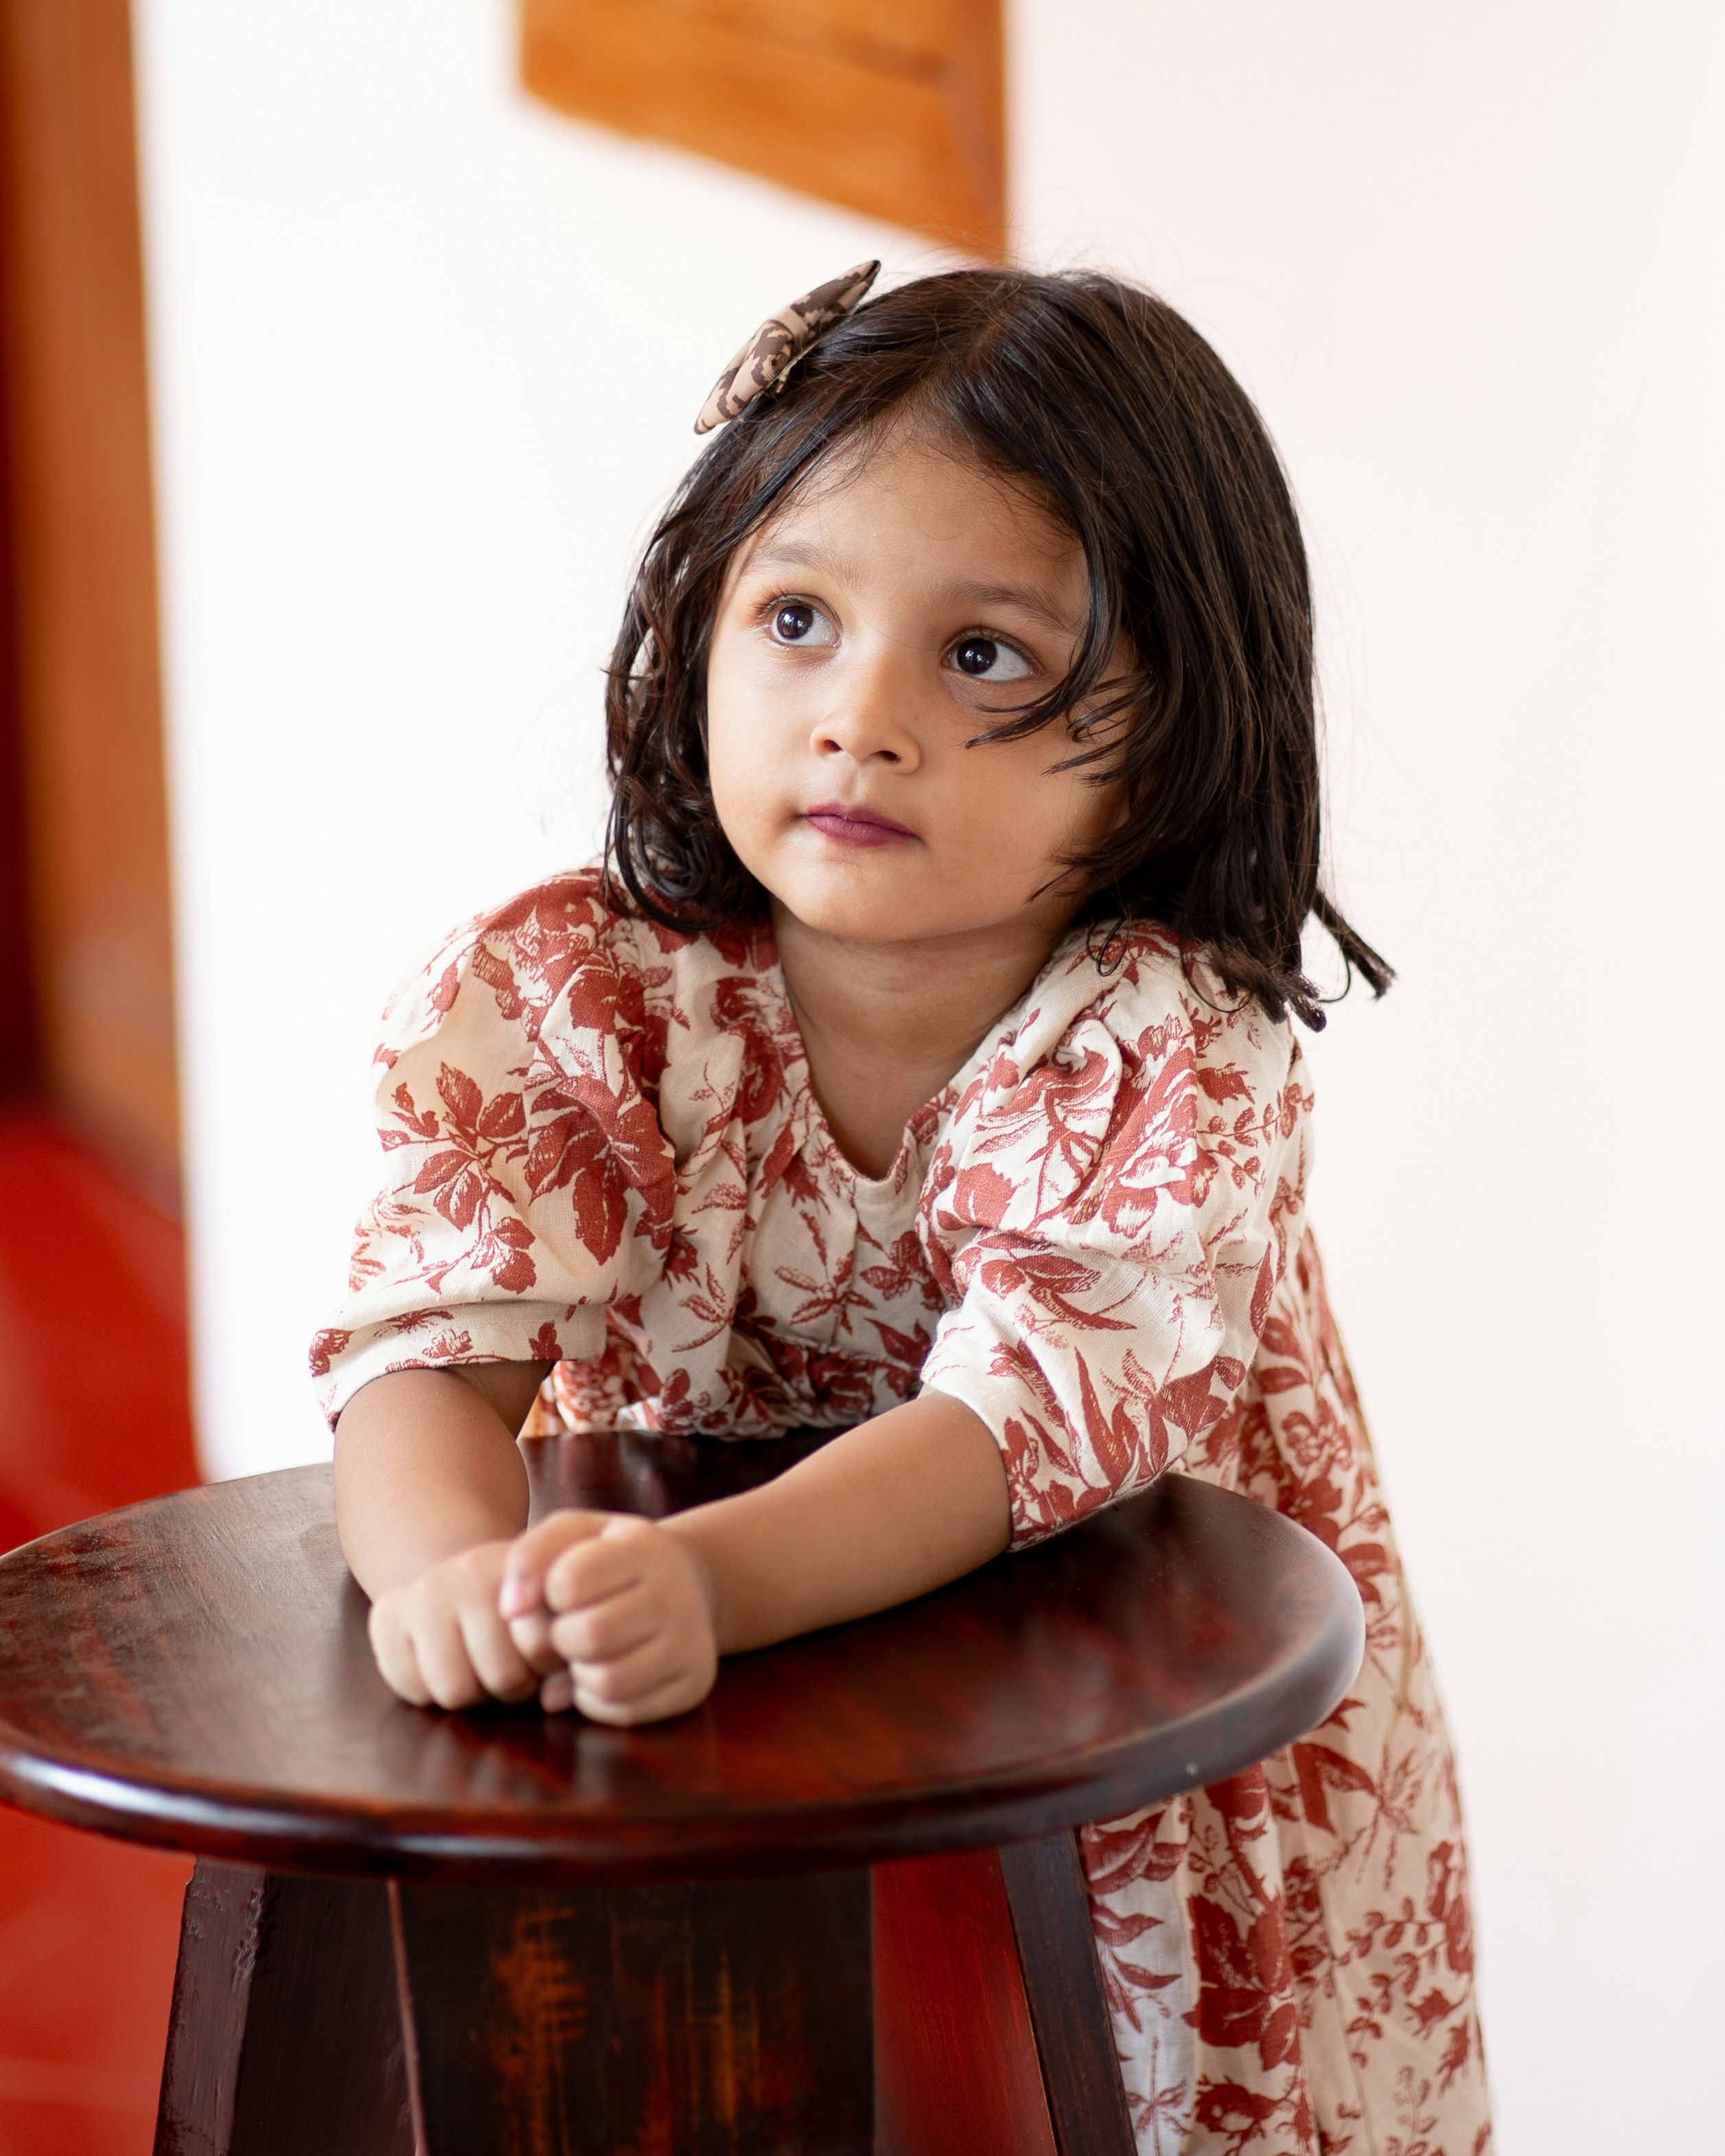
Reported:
(1113, 412)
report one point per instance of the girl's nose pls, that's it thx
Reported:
(874, 721)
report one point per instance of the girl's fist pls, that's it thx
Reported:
(630, 1611)
(439, 1639)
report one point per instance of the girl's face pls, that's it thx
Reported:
(885, 617)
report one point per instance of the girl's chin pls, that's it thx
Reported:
(857, 924)
(884, 896)
(859, 917)
(851, 883)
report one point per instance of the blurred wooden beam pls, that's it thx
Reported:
(83, 607)
(19, 1041)
(891, 107)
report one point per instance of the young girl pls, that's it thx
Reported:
(920, 1065)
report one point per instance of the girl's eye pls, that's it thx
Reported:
(985, 660)
(794, 621)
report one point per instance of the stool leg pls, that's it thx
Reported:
(709, 2020)
(956, 2070)
(285, 2033)
(1057, 1952)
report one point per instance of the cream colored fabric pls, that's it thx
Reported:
(602, 1149)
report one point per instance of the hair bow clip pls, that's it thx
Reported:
(780, 342)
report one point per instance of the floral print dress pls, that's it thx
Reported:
(604, 1152)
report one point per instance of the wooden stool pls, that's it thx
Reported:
(837, 1909)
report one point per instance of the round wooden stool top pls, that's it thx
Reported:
(195, 1671)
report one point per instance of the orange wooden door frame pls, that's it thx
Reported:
(87, 766)
(18, 1036)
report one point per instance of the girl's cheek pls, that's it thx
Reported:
(739, 804)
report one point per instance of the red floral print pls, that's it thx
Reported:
(604, 1152)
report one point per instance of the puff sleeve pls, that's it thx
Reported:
(1114, 1204)
(528, 1182)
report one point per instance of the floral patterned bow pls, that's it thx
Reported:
(781, 341)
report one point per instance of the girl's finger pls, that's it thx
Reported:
(607, 1631)
(493, 1654)
(685, 1689)
(531, 1635)
(522, 1587)
(595, 1570)
(393, 1647)
(442, 1655)
(556, 1694)
(646, 1669)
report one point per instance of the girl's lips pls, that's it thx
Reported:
(855, 826)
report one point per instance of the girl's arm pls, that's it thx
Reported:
(430, 1493)
(893, 1508)
(640, 1612)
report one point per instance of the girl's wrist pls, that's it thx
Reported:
(692, 1532)
(712, 1534)
(383, 1570)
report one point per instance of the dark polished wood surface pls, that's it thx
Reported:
(195, 1671)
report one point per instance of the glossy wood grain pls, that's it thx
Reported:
(1063, 1986)
(287, 2035)
(195, 1671)
(798, 2015)
(719, 2019)
(958, 2068)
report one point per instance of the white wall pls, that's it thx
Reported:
(424, 360)
(1466, 257)
(425, 357)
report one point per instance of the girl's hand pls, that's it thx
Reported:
(630, 1609)
(439, 1637)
